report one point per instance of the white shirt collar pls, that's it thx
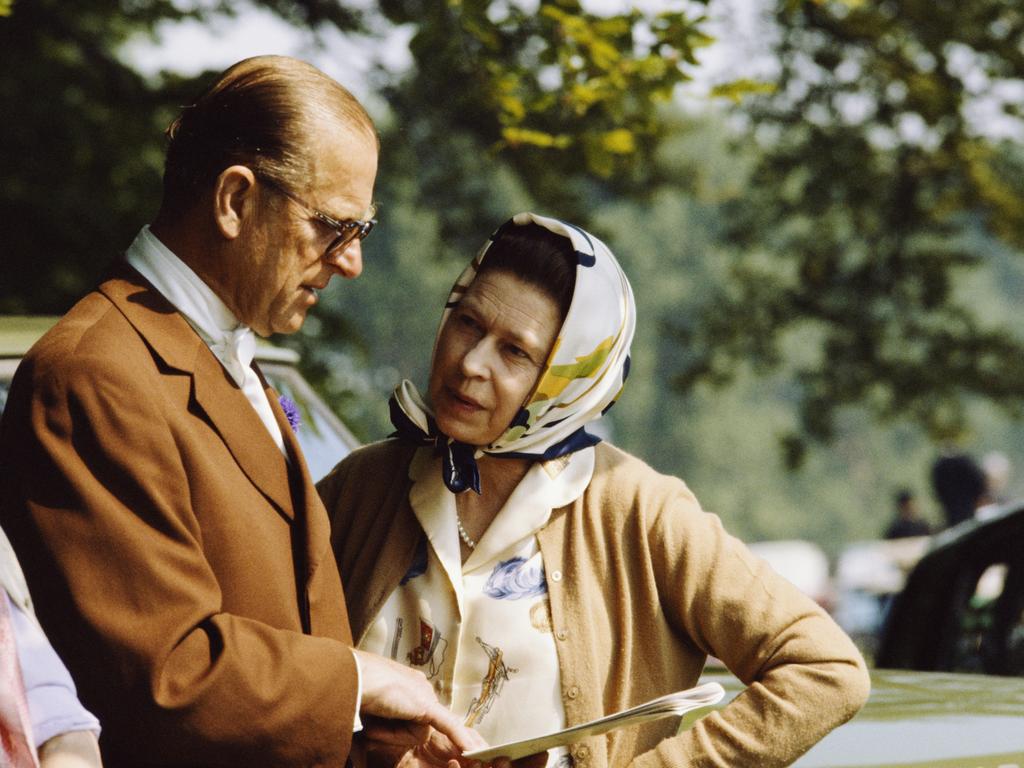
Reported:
(545, 487)
(234, 344)
(180, 285)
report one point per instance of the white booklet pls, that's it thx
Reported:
(693, 702)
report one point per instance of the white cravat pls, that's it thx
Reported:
(233, 344)
(236, 349)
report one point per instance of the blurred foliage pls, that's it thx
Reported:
(80, 145)
(565, 99)
(553, 88)
(882, 182)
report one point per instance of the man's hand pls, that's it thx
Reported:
(394, 692)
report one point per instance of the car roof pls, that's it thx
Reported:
(19, 332)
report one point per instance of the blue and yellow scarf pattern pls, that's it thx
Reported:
(583, 376)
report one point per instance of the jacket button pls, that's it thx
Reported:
(581, 752)
(562, 635)
(573, 692)
(556, 576)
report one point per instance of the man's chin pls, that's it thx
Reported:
(290, 324)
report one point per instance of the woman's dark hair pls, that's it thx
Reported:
(537, 256)
(262, 112)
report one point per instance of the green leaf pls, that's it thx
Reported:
(737, 90)
(619, 142)
(516, 137)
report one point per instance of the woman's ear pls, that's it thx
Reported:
(234, 198)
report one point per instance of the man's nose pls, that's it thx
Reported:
(348, 261)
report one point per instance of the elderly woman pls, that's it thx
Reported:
(541, 578)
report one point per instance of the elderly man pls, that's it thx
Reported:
(155, 494)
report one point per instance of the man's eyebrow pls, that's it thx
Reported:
(340, 219)
(368, 213)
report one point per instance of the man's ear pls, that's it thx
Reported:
(234, 198)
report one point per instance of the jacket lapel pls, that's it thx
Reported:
(313, 531)
(221, 401)
(313, 514)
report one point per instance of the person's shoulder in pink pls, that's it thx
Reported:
(42, 722)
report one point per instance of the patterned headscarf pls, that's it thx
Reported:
(581, 379)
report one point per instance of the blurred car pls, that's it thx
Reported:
(912, 720)
(868, 576)
(324, 438)
(962, 608)
(933, 599)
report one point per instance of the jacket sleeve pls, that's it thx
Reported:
(804, 676)
(100, 499)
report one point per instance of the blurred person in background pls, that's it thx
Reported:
(997, 469)
(908, 521)
(959, 486)
(42, 722)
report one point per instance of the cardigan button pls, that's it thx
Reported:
(580, 753)
(556, 576)
(562, 635)
(573, 692)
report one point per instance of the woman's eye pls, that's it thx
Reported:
(518, 352)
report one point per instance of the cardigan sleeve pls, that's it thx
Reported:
(803, 674)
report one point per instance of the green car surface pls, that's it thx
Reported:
(922, 720)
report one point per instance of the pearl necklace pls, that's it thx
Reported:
(462, 532)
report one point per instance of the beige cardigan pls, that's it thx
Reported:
(643, 586)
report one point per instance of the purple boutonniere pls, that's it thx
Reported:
(291, 411)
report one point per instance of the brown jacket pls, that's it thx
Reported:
(179, 564)
(643, 586)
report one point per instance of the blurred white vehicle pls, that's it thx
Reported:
(803, 563)
(868, 575)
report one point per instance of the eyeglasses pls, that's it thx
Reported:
(346, 231)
